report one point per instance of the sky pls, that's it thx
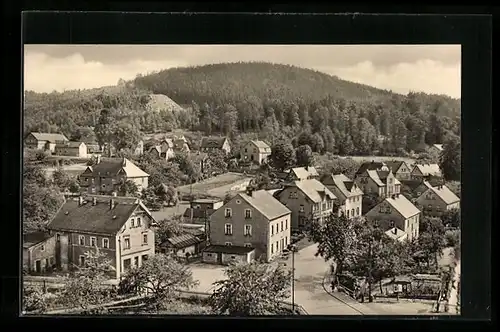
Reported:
(401, 68)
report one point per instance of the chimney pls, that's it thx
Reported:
(98, 159)
(250, 191)
(393, 196)
(395, 231)
(111, 204)
(397, 195)
(80, 200)
(94, 201)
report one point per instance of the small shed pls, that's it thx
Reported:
(218, 254)
(185, 245)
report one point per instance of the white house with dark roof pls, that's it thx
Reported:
(423, 171)
(215, 143)
(396, 213)
(256, 152)
(302, 173)
(380, 182)
(107, 175)
(119, 227)
(251, 225)
(350, 196)
(309, 200)
(436, 200)
(400, 169)
(44, 141)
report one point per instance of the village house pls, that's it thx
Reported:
(350, 196)
(302, 173)
(71, 149)
(119, 227)
(426, 171)
(164, 150)
(400, 169)
(434, 201)
(256, 152)
(435, 150)
(44, 141)
(308, 200)
(250, 226)
(201, 209)
(215, 143)
(94, 150)
(139, 148)
(397, 214)
(38, 252)
(108, 174)
(183, 246)
(415, 188)
(378, 179)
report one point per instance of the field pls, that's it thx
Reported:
(217, 186)
(74, 170)
(321, 160)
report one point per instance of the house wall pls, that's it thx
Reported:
(235, 258)
(432, 205)
(109, 184)
(368, 186)
(384, 219)
(353, 205)
(252, 153)
(210, 257)
(80, 151)
(32, 143)
(226, 147)
(182, 252)
(279, 233)
(403, 173)
(47, 256)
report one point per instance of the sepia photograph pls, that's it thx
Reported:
(241, 180)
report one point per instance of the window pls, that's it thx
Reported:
(281, 226)
(228, 229)
(272, 230)
(81, 240)
(286, 241)
(248, 230)
(136, 261)
(429, 207)
(82, 260)
(42, 247)
(286, 223)
(376, 223)
(144, 257)
(144, 238)
(233, 257)
(105, 243)
(347, 214)
(301, 208)
(419, 193)
(58, 237)
(126, 243)
(138, 221)
(272, 248)
(246, 150)
(382, 209)
(357, 211)
(392, 223)
(132, 222)
(248, 245)
(438, 208)
(228, 244)
(93, 241)
(248, 213)
(126, 264)
(352, 213)
(228, 213)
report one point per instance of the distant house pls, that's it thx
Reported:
(434, 201)
(164, 150)
(378, 179)
(214, 143)
(38, 252)
(183, 246)
(139, 148)
(350, 196)
(44, 141)
(249, 226)
(396, 212)
(255, 152)
(201, 209)
(400, 169)
(435, 150)
(94, 150)
(308, 200)
(109, 173)
(415, 188)
(119, 227)
(71, 149)
(425, 171)
(302, 173)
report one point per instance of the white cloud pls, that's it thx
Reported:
(45, 74)
(425, 76)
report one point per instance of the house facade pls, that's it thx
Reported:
(435, 150)
(302, 173)
(106, 176)
(251, 225)
(44, 141)
(214, 143)
(38, 252)
(164, 150)
(257, 152)
(349, 195)
(435, 201)
(200, 210)
(426, 171)
(71, 149)
(400, 169)
(379, 182)
(398, 212)
(119, 227)
(308, 200)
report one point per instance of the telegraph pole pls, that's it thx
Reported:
(370, 267)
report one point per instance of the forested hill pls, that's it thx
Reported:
(275, 101)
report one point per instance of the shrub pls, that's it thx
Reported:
(33, 300)
(452, 238)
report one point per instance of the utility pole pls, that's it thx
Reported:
(370, 267)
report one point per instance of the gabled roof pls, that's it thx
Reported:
(266, 204)
(345, 185)
(168, 142)
(261, 145)
(396, 234)
(111, 167)
(181, 241)
(395, 165)
(303, 173)
(49, 137)
(197, 213)
(375, 177)
(370, 166)
(213, 142)
(313, 189)
(99, 218)
(445, 194)
(69, 145)
(429, 169)
(401, 204)
(34, 238)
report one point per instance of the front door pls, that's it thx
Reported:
(219, 258)
(38, 266)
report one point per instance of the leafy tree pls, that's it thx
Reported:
(282, 156)
(216, 163)
(166, 194)
(61, 179)
(251, 290)
(346, 166)
(450, 160)
(431, 239)
(105, 129)
(305, 156)
(163, 277)
(128, 188)
(125, 136)
(34, 300)
(83, 134)
(452, 218)
(167, 228)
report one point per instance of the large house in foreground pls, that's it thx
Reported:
(44, 141)
(119, 227)
(106, 176)
(250, 226)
